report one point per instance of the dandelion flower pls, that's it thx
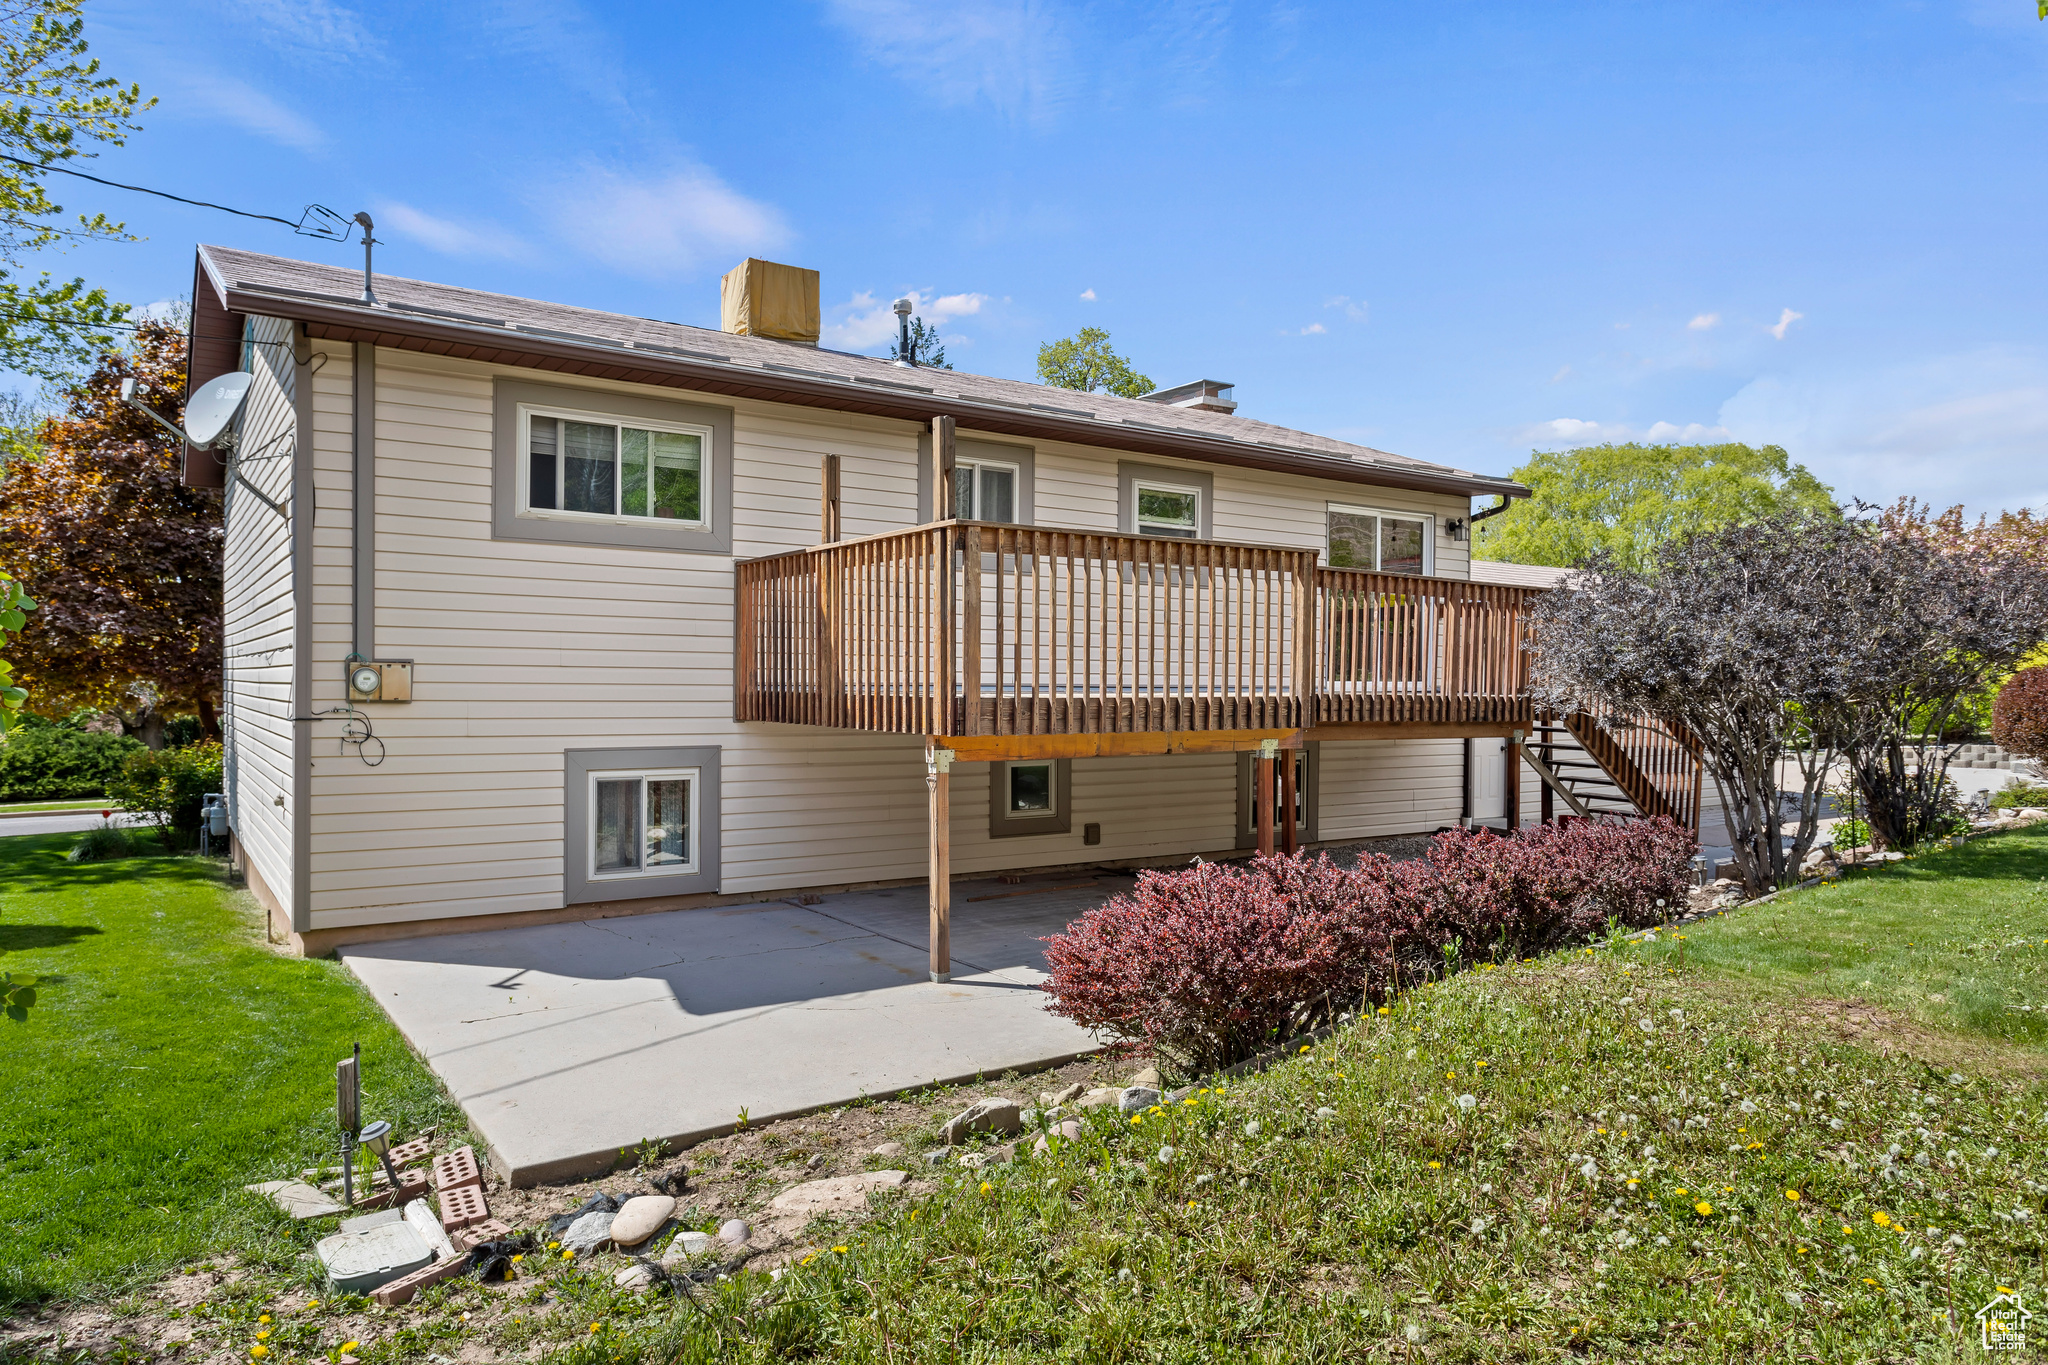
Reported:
(1385, 1010)
(1792, 1195)
(263, 1317)
(1680, 1190)
(553, 1245)
(986, 1187)
(264, 1334)
(1881, 1218)
(1436, 1165)
(1467, 1101)
(1703, 1208)
(351, 1345)
(840, 1251)
(259, 1351)
(593, 1326)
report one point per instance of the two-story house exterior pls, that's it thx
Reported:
(657, 616)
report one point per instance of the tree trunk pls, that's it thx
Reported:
(209, 718)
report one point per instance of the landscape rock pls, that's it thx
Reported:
(889, 1149)
(840, 1194)
(589, 1232)
(1051, 1099)
(734, 1232)
(689, 1242)
(992, 1115)
(1147, 1078)
(640, 1218)
(358, 1262)
(1069, 1129)
(935, 1157)
(1136, 1098)
(634, 1276)
(1096, 1098)
(296, 1198)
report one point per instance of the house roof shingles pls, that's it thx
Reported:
(505, 329)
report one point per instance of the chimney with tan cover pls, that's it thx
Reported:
(760, 298)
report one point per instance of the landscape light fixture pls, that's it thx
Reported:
(903, 356)
(377, 1137)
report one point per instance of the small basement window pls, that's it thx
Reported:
(1167, 509)
(578, 467)
(1029, 796)
(1391, 542)
(642, 824)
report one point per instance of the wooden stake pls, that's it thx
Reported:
(828, 501)
(938, 780)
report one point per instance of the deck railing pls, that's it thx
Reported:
(967, 628)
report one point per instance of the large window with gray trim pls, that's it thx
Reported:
(639, 823)
(588, 466)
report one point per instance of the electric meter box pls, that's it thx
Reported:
(378, 680)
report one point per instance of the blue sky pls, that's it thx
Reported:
(1456, 231)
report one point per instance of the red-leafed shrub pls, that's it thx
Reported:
(2019, 717)
(1210, 964)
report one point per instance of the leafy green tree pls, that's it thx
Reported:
(1626, 500)
(15, 604)
(54, 105)
(1085, 361)
(926, 350)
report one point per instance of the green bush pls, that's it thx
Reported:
(1850, 833)
(43, 761)
(107, 841)
(2018, 794)
(165, 786)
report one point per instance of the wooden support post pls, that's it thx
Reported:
(943, 451)
(1262, 796)
(1290, 832)
(1511, 784)
(938, 781)
(828, 501)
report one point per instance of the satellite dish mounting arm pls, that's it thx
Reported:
(129, 399)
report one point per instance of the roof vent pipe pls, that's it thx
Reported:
(904, 358)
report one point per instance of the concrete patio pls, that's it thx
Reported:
(565, 1043)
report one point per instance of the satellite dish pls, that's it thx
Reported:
(213, 408)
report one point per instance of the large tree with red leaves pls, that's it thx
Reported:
(123, 559)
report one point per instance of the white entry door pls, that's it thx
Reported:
(1488, 760)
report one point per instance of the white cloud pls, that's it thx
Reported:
(864, 321)
(1577, 431)
(664, 224)
(1968, 428)
(1355, 309)
(226, 98)
(308, 27)
(1564, 372)
(447, 236)
(1013, 54)
(1703, 322)
(1785, 320)
(1314, 329)
(1088, 294)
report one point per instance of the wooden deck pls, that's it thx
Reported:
(970, 629)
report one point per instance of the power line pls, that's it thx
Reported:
(324, 219)
(141, 189)
(132, 327)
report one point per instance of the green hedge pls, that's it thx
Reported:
(46, 762)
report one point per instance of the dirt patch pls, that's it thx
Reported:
(1894, 1035)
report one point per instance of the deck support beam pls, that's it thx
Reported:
(1511, 782)
(939, 783)
(1290, 832)
(1262, 795)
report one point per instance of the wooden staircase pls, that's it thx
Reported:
(1628, 767)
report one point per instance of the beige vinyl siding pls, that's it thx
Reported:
(523, 650)
(1376, 787)
(257, 617)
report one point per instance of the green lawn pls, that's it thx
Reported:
(1626, 1152)
(1955, 939)
(18, 807)
(170, 1059)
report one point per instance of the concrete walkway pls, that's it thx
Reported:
(565, 1043)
